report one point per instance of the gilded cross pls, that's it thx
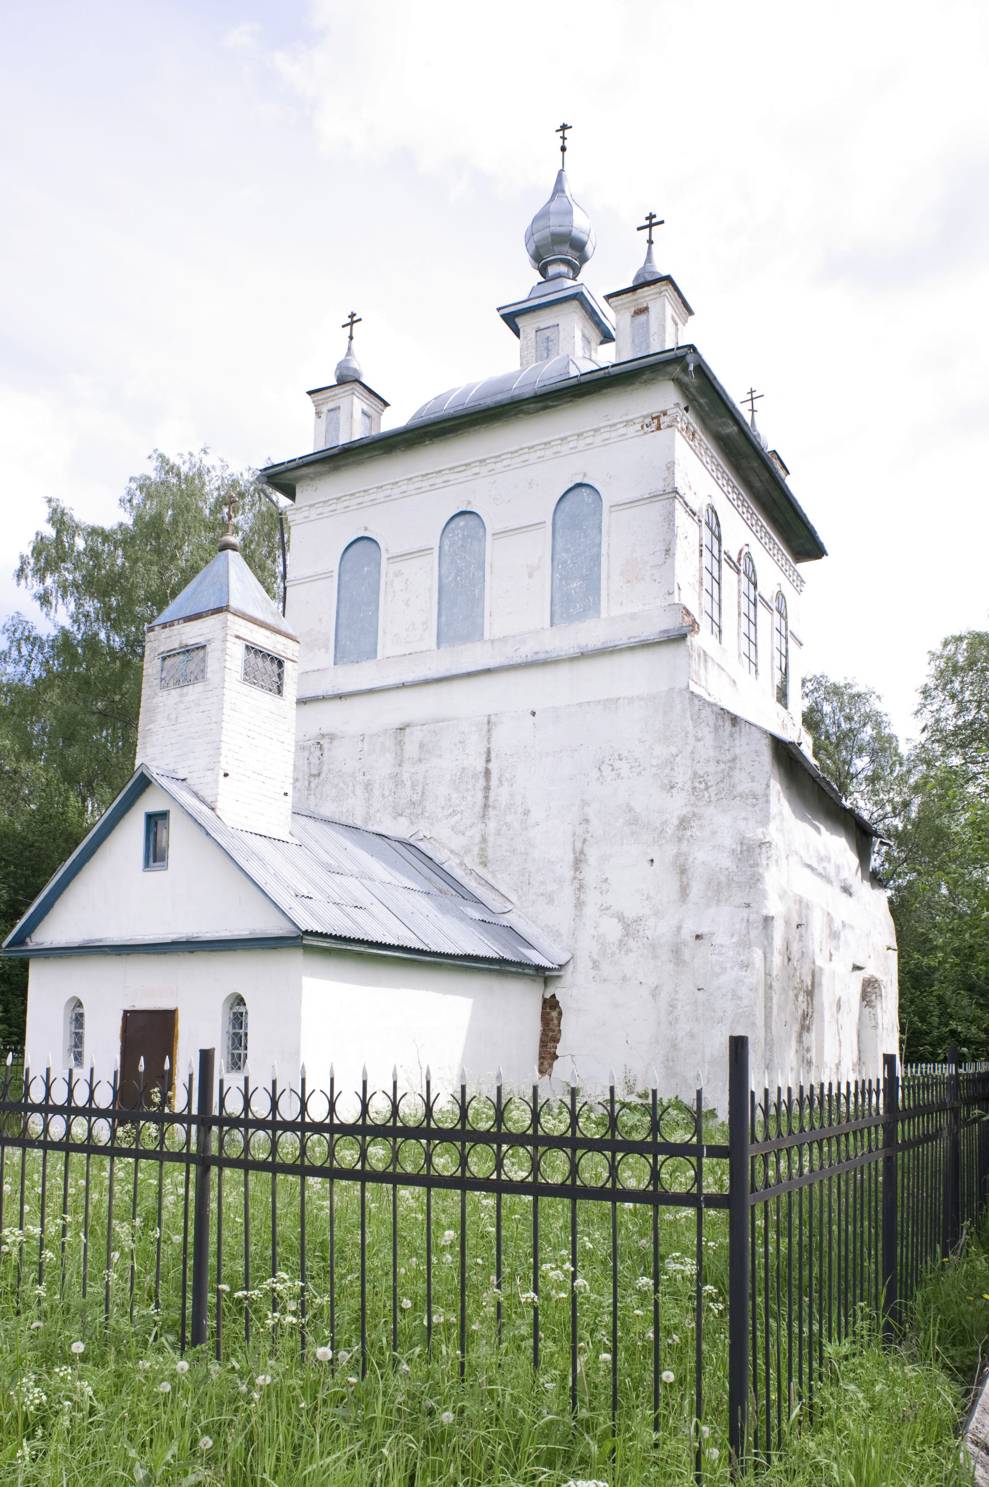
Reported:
(232, 507)
(649, 225)
(562, 132)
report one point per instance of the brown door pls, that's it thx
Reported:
(151, 1036)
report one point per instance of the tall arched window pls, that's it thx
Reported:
(781, 651)
(712, 571)
(460, 608)
(75, 1034)
(235, 1034)
(576, 592)
(358, 586)
(748, 598)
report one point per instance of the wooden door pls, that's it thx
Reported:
(151, 1036)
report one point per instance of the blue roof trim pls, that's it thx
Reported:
(544, 304)
(154, 947)
(74, 865)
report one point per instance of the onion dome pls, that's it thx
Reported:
(648, 271)
(559, 240)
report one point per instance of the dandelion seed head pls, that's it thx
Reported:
(668, 1376)
(323, 1355)
(182, 1366)
(205, 1443)
(446, 1418)
(77, 1348)
(164, 1387)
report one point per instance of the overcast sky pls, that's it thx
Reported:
(196, 194)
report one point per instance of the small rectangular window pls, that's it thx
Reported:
(640, 331)
(365, 423)
(155, 840)
(547, 342)
(331, 428)
(262, 669)
(183, 668)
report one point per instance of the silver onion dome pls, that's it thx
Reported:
(348, 368)
(559, 240)
(648, 271)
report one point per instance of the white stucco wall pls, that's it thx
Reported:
(200, 893)
(196, 985)
(380, 1011)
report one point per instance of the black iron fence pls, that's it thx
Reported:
(639, 1259)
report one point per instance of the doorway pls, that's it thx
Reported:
(151, 1036)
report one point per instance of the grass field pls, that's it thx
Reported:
(93, 1390)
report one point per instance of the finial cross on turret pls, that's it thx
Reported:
(751, 398)
(348, 325)
(561, 130)
(649, 226)
(228, 542)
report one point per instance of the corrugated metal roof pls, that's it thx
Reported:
(346, 883)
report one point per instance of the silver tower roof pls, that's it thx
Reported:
(559, 240)
(348, 368)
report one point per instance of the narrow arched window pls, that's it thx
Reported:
(748, 599)
(781, 651)
(576, 591)
(75, 1034)
(460, 608)
(712, 571)
(235, 1034)
(358, 586)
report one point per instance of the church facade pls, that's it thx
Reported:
(545, 635)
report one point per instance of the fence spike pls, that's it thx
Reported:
(499, 1080)
(140, 1064)
(394, 1073)
(302, 1071)
(364, 1074)
(168, 1063)
(463, 1075)
(10, 1058)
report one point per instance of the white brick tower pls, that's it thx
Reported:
(218, 699)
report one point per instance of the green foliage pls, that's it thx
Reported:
(70, 692)
(856, 747)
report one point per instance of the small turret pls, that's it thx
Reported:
(347, 409)
(651, 314)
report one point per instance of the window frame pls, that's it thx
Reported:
(182, 650)
(477, 521)
(357, 660)
(151, 821)
(748, 613)
(75, 1033)
(781, 649)
(557, 591)
(235, 1003)
(268, 656)
(712, 572)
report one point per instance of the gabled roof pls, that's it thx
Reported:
(336, 884)
(225, 583)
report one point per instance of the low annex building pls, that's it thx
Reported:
(550, 626)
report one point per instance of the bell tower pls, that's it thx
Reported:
(218, 696)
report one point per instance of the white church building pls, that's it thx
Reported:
(544, 635)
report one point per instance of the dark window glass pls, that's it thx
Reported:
(183, 668)
(712, 571)
(358, 586)
(262, 669)
(576, 591)
(749, 616)
(156, 839)
(460, 610)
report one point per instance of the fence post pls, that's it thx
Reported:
(200, 1228)
(952, 1159)
(891, 1137)
(738, 1250)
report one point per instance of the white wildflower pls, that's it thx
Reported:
(77, 1348)
(165, 1387)
(205, 1443)
(604, 1357)
(406, 1304)
(448, 1236)
(446, 1418)
(712, 1453)
(182, 1366)
(323, 1355)
(262, 1380)
(668, 1376)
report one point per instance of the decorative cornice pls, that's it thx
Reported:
(511, 459)
(676, 418)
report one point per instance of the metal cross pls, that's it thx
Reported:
(348, 325)
(232, 507)
(752, 397)
(650, 224)
(562, 132)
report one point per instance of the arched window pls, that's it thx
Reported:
(748, 598)
(576, 592)
(358, 585)
(460, 610)
(781, 651)
(75, 1034)
(235, 1034)
(712, 571)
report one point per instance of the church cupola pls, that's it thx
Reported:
(651, 314)
(347, 409)
(560, 316)
(218, 695)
